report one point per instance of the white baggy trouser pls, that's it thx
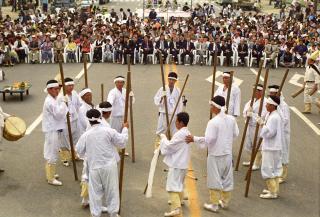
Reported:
(307, 90)
(103, 183)
(75, 130)
(220, 172)
(162, 124)
(116, 123)
(271, 164)
(52, 143)
(175, 180)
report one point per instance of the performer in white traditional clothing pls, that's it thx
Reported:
(311, 83)
(253, 112)
(273, 137)
(74, 105)
(284, 112)
(3, 116)
(97, 144)
(235, 95)
(221, 131)
(177, 157)
(172, 92)
(53, 124)
(86, 104)
(117, 98)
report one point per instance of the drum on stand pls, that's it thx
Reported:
(14, 128)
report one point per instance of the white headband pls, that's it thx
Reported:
(173, 78)
(119, 79)
(273, 90)
(215, 104)
(270, 101)
(105, 109)
(69, 83)
(259, 88)
(94, 119)
(52, 85)
(84, 91)
(225, 75)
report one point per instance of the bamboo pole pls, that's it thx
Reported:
(165, 97)
(85, 70)
(256, 133)
(68, 122)
(248, 119)
(102, 92)
(214, 72)
(131, 117)
(123, 150)
(229, 92)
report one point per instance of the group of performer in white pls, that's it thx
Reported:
(96, 141)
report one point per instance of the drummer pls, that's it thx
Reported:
(3, 116)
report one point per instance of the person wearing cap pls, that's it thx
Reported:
(176, 156)
(235, 95)
(252, 112)
(74, 105)
(53, 124)
(311, 83)
(97, 145)
(272, 134)
(219, 160)
(284, 112)
(3, 116)
(86, 104)
(172, 93)
(34, 47)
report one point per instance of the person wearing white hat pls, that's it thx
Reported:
(53, 124)
(219, 160)
(86, 104)
(172, 93)
(74, 105)
(272, 134)
(311, 83)
(3, 116)
(252, 112)
(235, 96)
(97, 145)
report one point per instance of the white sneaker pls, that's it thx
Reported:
(265, 191)
(56, 176)
(55, 182)
(255, 167)
(269, 196)
(104, 209)
(246, 163)
(211, 207)
(172, 213)
(66, 163)
(223, 205)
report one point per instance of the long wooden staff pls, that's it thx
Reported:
(85, 70)
(68, 121)
(131, 116)
(278, 94)
(123, 150)
(248, 118)
(102, 92)
(178, 102)
(165, 98)
(213, 78)
(256, 133)
(229, 92)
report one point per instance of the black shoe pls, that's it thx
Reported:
(1, 170)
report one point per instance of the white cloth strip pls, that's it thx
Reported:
(52, 85)
(69, 83)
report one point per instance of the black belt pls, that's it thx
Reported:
(310, 81)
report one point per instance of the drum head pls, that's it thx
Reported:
(15, 126)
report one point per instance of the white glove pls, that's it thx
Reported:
(163, 136)
(131, 94)
(65, 98)
(249, 114)
(164, 93)
(259, 120)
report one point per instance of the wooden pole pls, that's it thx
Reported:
(85, 70)
(68, 121)
(248, 119)
(256, 133)
(177, 104)
(123, 150)
(213, 79)
(165, 98)
(131, 117)
(229, 92)
(102, 92)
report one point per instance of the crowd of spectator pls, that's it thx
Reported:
(239, 38)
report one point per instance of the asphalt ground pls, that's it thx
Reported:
(24, 191)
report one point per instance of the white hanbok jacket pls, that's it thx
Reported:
(172, 99)
(117, 99)
(235, 98)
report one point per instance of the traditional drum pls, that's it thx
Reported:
(14, 128)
